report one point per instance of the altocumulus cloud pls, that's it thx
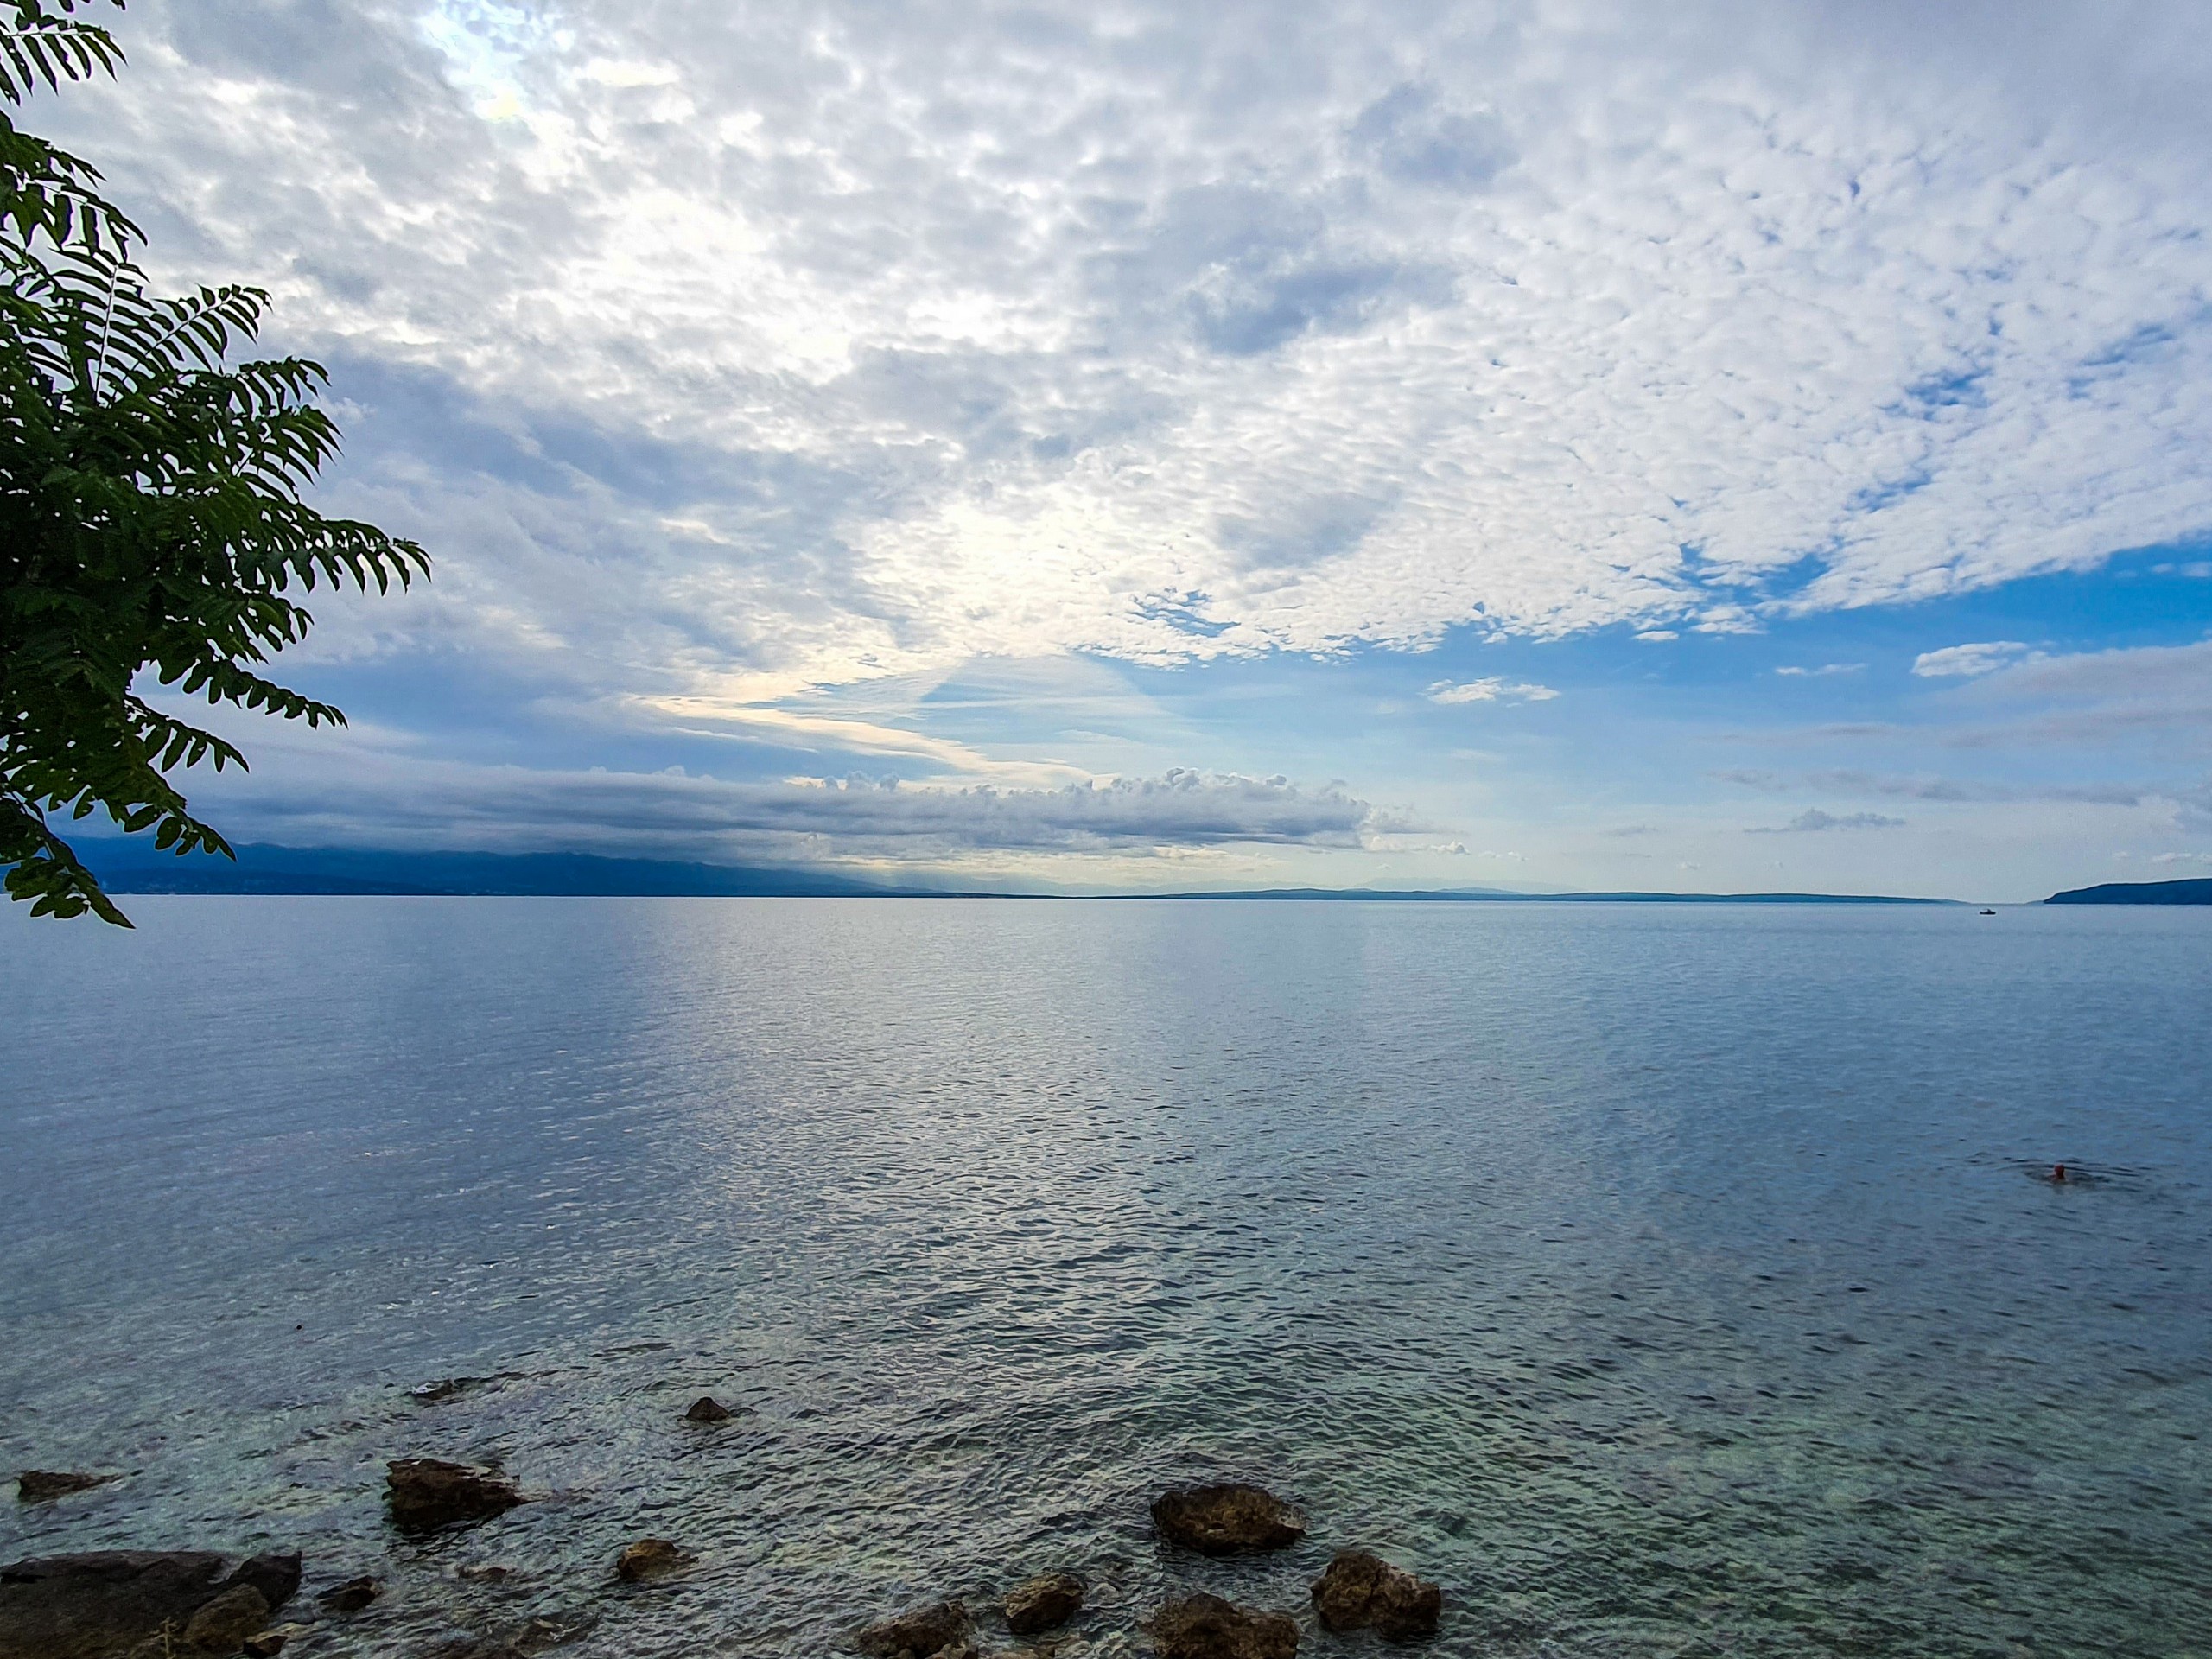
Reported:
(775, 346)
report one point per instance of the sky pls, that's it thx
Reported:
(1712, 446)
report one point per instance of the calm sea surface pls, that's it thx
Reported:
(1663, 1280)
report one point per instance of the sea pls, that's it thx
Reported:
(1676, 1280)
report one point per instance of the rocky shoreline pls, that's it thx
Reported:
(165, 1604)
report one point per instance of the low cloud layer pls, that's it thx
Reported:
(1951, 790)
(398, 800)
(1813, 820)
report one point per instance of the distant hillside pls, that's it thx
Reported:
(125, 866)
(2197, 892)
(1497, 895)
(136, 866)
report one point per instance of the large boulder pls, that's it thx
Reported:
(44, 1485)
(1206, 1627)
(427, 1493)
(91, 1607)
(1227, 1520)
(915, 1634)
(1043, 1603)
(1360, 1589)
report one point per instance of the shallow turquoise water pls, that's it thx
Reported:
(1663, 1280)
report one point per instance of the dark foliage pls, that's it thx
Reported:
(150, 518)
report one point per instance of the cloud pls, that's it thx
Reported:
(842, 734)
(1925, 788)
(1416, 138)
(1813, 820)
(1964, 661)
(387, 799)
(1658, 636)
(1492, 689)
(1824, 671)
(831, 343)
(2162, 694)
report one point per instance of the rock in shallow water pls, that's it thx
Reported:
(427, 1493)
(351, 1596)
(80, 1606)
(1206, 1627)
(707, 1409)
(90, 1606)
(1041, 1603)
(919, 1632)
(43, 1485)
(650, 1558)
(276, 1574)
(1226, 1520)
(1360, 1589)
(223, 1625)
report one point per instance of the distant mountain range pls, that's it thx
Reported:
(2197, 892)
(131, 866)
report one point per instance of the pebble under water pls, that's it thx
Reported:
(1673, 1281)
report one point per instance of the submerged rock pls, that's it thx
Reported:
(650, 1558)
(918, 1632)
(267, 1644)
(351, 1596)
(43, 1485)
(427, 1493)
(533, 1636)
(223, 1625)
(1041, 1603)
(1206, 1627)
(446, 1388)
(90, 1606)
(1360, 1589)
(707, 1409)
(1226, 1520)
